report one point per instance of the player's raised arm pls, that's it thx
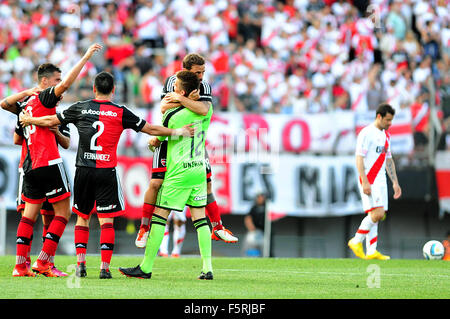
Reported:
(47, 121)
(10, 103)
(65, 84)
(158, 130)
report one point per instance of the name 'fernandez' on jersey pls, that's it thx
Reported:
(100, 124)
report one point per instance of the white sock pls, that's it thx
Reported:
(179, 232)
(364, 229)
(371, 240)
(164, 248)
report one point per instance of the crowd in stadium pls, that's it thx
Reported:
(290, 57)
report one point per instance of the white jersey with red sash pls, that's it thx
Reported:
(374, 145)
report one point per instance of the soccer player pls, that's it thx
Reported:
(199, 101)
(179, 231)
(100, 123)
(44, 175)
(373, 160)
(62, 136)
(184, 183)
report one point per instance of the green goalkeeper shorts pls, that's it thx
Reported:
(176, 198)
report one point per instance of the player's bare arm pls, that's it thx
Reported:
(157, 130)
(62, 140)
(9, 103)
(198, 107)
(65, 84)
(17, 139)
(47, 121)
(390, 170)
(362, 174)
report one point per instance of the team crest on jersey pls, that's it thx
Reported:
(163, 161)
(381, 149)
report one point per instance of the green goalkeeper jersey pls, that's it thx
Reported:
(186, 155)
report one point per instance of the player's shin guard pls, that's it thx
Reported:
(157, 229)
(23, 241)
(147, 213)
(55, 231)
(81, 241)
(204, 243)
(212, 211)
(107, 238)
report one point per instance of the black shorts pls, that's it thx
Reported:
(159, 163)
(46, 209)
(48, 182)
(97, 190)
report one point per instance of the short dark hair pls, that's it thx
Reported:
(46, 70)
(188, 80)
(385, 108)
(192, 59)
(104, 82)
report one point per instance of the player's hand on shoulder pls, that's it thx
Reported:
(24, 118)
(166, 105)
(188, 130)
(172, 97)
(32, 91)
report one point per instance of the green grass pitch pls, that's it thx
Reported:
(239, 278)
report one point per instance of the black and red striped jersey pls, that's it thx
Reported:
(64, 129)
(40, 147)
(100, 124)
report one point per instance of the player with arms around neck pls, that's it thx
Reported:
(373, 160)
(184, 182)
(44, 175)
(100, 123)
(199, 101)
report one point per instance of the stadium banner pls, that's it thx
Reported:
(401, 130)
(233, 132)
(135, 174)
(322, 133)
(297, 185)
(9, 173)
(306, 186)
(442, 167)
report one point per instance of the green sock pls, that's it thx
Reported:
(153, 243)
(204, 243)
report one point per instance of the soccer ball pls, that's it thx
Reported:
(433, 250)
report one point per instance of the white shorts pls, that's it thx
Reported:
(378, 197)
(177, 215)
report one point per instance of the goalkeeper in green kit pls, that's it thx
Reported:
(184, 182)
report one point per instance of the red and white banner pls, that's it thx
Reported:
(402, 141)
(442, 166)
(231, 132)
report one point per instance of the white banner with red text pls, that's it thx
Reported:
(297, 185)
(231, 132)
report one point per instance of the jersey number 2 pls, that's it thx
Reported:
(101, 128)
